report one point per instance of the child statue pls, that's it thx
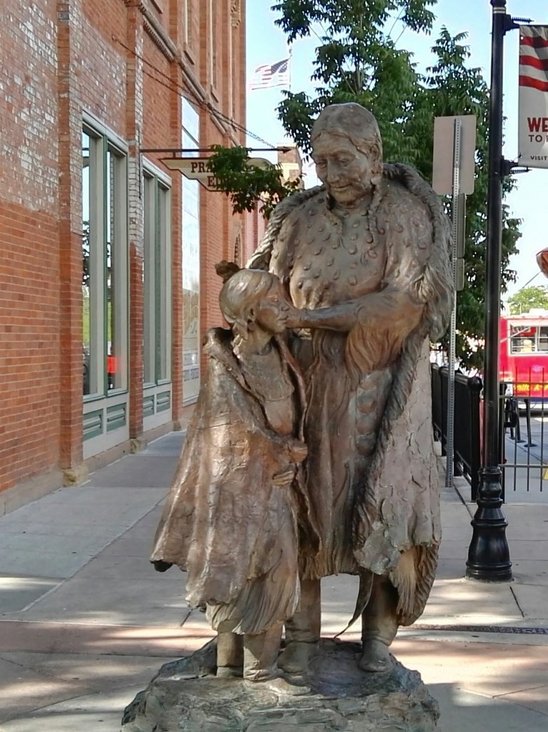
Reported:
(236, 507)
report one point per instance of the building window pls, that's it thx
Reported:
(528, 339)
(214, 39)
(104, 265)
(186, 22)
(157, 281)
(191, 262)
(191, 12)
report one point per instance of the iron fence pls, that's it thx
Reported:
(523, 433)
(524, 441)
(467, 432)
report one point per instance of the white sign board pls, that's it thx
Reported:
(194, 169)
(198, 169)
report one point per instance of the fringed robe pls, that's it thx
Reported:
(225, 523)
(371, 474)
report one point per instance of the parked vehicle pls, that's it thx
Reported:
(523, 360)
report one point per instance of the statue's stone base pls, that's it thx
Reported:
(186, 695)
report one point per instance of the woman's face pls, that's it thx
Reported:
(272, 310)
(345, 171)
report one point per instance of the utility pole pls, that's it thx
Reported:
(488, 554)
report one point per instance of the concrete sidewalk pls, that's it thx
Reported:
(86, 622)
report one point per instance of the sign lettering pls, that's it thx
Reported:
(537, 124)
(196, 168)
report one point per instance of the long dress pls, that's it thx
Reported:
(371, 470)
(225, 523)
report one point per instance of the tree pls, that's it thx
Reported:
(357, 60)
(248, 185)
(451, 88)
(528, 298)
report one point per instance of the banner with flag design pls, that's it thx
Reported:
(270, 75)
(533, 96)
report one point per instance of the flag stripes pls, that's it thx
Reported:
(533, 57)
(270, 75)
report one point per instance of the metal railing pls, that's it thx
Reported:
(524, 439)
(467, 433)
(523, 434)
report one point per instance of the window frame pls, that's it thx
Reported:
(157, 291)
(104, 143)
(191, 258)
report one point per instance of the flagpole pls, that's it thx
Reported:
(289, 64)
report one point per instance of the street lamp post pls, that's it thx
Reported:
(488, 554)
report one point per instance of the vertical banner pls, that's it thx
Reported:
(533, 96)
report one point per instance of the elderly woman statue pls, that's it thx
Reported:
(365, 259)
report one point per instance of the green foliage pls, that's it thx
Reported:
(247, 184)
(449, 88)
(357, 60)
(528, 298)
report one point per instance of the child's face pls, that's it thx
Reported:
(272, 310)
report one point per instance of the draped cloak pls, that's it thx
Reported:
(224, 522)
(371, 474)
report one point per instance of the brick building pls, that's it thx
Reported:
(106, 258)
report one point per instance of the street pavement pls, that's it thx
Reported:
(85, 621)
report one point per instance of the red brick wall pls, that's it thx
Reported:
(159, 90)
(29, 260)
(126, 64)
(29, 350)
(69, 243)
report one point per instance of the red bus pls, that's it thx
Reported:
(523, 360)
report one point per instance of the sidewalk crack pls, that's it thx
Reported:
(517, 602)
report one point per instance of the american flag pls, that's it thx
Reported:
(533, 57)
(267, 75)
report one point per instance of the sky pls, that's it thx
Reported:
(266, 44)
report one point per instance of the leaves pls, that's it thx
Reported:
(247, 184)
(528, 298)
(358, 60)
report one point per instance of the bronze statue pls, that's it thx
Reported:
(365, 260)
(358, 271)
(233, 514)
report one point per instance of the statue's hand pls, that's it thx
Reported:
(297, 318)
(284, 479)
(298, 451)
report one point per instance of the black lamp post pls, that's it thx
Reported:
(488, 554)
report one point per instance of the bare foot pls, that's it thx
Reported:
(375, 656)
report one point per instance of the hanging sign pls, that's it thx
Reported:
(197, 168)
(193, 168)
(533, 96)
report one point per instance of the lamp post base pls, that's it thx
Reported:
(488, 554)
